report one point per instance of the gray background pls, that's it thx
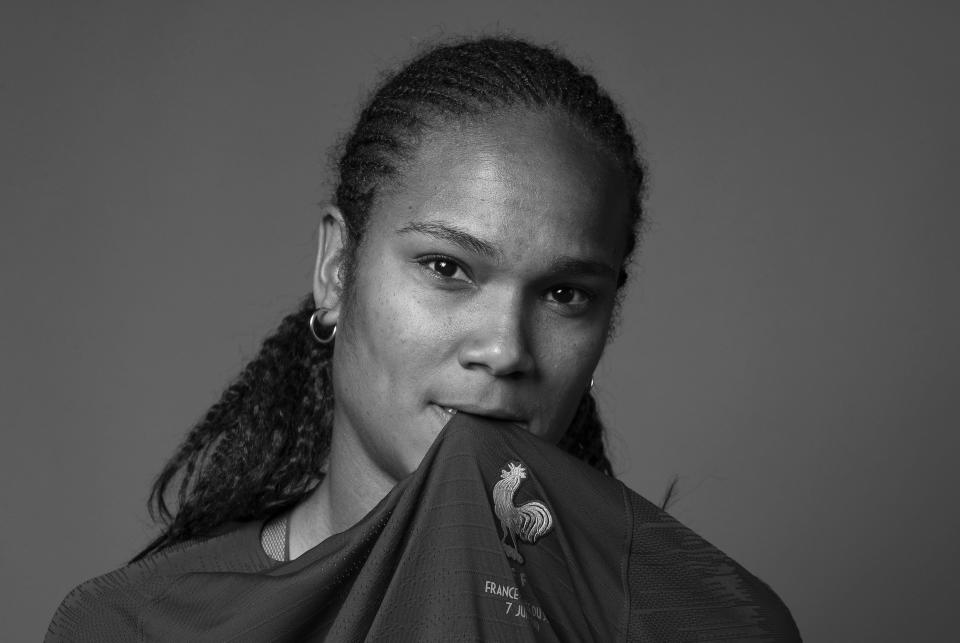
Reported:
(788, 347)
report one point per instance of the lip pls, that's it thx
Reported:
(444, 411)
(500, 415)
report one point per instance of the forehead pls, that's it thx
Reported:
(524, 179)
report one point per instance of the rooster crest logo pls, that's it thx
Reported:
(528, 522)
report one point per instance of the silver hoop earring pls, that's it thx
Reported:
(590, 388)
(314, 324)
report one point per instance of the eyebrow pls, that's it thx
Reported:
(575, 266)
(446, 232)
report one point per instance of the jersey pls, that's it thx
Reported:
(497, 536)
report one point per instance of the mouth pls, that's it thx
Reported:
(498, 415)
(444, 412)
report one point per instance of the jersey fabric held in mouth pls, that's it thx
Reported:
(429, 563)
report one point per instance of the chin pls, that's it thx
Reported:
(420, 439)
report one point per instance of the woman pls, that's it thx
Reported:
(488, 203)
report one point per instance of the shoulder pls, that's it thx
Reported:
(678, 580)
(110, 607)
(101, 609)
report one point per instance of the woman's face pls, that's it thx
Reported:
(485, 284)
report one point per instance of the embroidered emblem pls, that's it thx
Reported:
(528, 522)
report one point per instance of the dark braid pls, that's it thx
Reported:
(257, 449)
(262, 446)
(584, 437)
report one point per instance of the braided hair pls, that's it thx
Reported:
(262, 446)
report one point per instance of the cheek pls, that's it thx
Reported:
(383, 363)
(396, 335)
(568, 359)
(568, 351)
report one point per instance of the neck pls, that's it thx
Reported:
(353, 485)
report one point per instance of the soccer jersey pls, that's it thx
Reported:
(497, 536)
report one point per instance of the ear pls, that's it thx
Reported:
(327, 287)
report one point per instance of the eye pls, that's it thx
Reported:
(443, 268)
(568, 297)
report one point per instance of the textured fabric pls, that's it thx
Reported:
(436, 560)
(274, 538)
(684, 589)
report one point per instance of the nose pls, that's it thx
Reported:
(497, 342)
